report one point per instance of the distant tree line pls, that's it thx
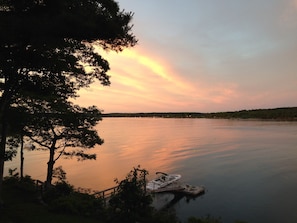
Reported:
(288, 114)
(157, 115)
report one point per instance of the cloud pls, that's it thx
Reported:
(142, 82)
(203, 56)
(288, 18)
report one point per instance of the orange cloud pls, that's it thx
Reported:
(156, 67)
(142, 82)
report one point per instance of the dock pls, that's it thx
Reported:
(181, 188)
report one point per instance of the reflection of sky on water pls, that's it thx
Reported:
(245, 165)
(155, 144)
(159, 144)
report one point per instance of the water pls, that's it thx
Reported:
(248, 167)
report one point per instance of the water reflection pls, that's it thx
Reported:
(247, 166)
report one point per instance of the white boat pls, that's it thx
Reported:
(162, 180)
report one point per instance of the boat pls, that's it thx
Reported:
(162, 181)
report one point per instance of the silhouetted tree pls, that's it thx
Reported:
(17, 118)
(63, 126)
(131, 203)
(46, 45)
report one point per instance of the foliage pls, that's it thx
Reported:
(66, 125)
(131, 203)
(12, 143)
(59, 189)
(77, 203)
(266, 114)
(13, 177)
(61, 126)
(22, 205)
(26, 184)
(18, 118)
(60, 174)
(12, 173)
(62, 197)
(48, 53)
(289, 114)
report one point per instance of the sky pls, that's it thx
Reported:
(203, 56)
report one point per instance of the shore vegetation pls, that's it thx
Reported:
(29, 203)
(281, 114)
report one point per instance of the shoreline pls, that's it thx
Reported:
(275, 114)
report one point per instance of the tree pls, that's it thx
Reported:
(18, 118)
(131, 203)
(45, 46)
(62, 126)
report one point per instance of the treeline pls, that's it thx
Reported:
(267, 114)
(289, 114)
(157, 115)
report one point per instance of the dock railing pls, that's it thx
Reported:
(106, 194)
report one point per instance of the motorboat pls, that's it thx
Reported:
(162, 181)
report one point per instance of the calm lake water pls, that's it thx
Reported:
(248, 167)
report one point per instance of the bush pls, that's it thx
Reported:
(77, 203)
(26, 184)
(56, 191)
(62, 198)
(131, 203)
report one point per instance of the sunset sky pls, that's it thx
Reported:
(203, 56)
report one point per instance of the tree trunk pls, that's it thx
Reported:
(5, 100)
(2, 156)
(22, 157)
(50, 167)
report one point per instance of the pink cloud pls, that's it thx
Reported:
(141, 82)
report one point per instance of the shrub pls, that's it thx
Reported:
(131, 203)
(56, 191)
(25, 184)
(77, 203)
(63, 198)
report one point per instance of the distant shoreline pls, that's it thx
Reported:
(279, 114)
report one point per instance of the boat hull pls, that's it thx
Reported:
(162, 181)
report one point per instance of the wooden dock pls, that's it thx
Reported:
(177, 188)
(181, 188)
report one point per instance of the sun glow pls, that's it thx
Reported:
(143, 82)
